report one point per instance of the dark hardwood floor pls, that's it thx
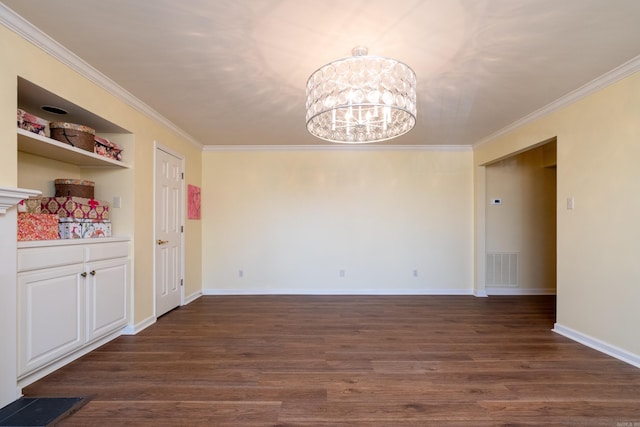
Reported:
(351, 361)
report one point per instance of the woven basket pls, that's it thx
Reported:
(75, 135)
(74, 188)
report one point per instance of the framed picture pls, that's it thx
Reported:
(193, 208)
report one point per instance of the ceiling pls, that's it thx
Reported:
(234, 72)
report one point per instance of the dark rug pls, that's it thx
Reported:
(38, 411)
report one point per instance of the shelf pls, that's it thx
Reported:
(29, 142)
(70, 242)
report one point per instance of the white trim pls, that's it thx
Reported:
(191, 298)
(35, 36)
(337, 147)
(625, 70)
(138, 327)
(519, 291)
(10, 196)
(596, 344)
(297, 291)
(480, 293)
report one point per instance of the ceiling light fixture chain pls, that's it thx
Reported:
(361, 99)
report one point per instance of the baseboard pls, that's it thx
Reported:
(480, 294)
(334, 292)
(596, 344)
(520, 291)
(191, 298)
(140, 326)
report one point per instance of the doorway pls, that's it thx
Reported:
(169, 255)
(521, 223)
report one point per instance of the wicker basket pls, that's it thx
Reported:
(75, 135)
(74, 188)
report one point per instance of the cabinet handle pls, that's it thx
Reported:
(92, 272)
(84, 274)
(162, 242)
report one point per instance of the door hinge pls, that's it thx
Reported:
(182, 228)
(181, 282)
(182, 175)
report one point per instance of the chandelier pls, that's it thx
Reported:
(361, 99)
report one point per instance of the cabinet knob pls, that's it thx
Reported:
(162, 242)
(84, 274)
(92, 272)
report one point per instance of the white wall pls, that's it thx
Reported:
(393, 221)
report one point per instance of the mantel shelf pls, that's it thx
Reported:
(32, 143)
(12, 196)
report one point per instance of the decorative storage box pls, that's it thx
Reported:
(37, 226)
(32, 123)
(76, 207)
(76, 135)
(74, 188)
(109, 149)
(31, 205)
(72, 228)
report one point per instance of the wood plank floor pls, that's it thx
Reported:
(351, 361)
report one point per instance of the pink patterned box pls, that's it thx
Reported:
(37, 226)
(76, 207)
(32, 123)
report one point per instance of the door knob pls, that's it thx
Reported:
(162, 242)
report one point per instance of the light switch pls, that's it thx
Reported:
(570, 203)
(117, 201)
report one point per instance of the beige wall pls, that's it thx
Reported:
(599, 240)
(292, 220)
(525, 221)
(20, 58)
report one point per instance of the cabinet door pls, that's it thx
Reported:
(50, 315)
(106, 296)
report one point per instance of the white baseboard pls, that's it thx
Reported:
(297, 291)
(191, 298)
(596, 344)
(520, 291)
(480, 294)
(140, 326)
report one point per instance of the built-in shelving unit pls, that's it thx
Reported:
(32, 143)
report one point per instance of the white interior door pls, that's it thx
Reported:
(168, 227)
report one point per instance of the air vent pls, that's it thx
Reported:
(502, 269)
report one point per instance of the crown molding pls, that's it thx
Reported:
(35, 36)
(625, 70)
(337, 147)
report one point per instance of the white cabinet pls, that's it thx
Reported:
(50, 315)
(106, 297)
(71, 294)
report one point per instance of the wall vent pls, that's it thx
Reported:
(502, 269)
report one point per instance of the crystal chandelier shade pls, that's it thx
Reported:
(361, 99)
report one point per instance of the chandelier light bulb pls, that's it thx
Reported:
(361, 99)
